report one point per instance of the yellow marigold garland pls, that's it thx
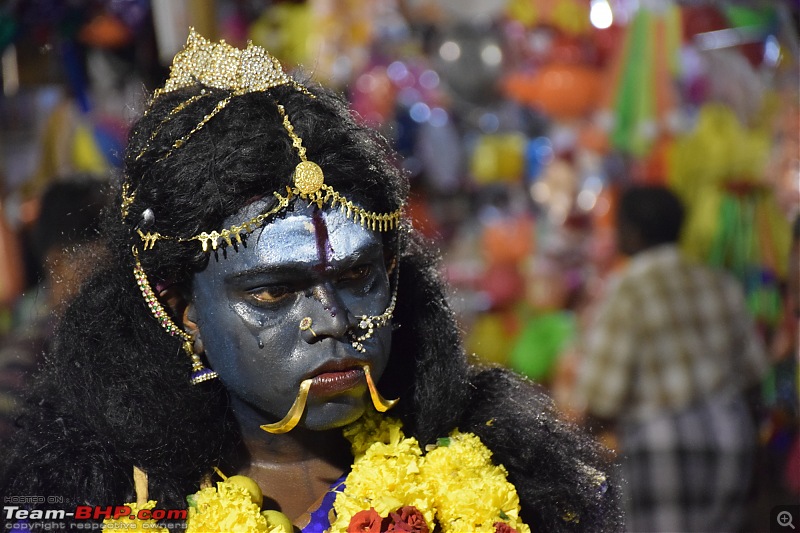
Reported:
(126, 523)
(455, 484)
(226, 507)
(384, 476)
(471, 493)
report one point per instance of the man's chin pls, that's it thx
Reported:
(333, 414)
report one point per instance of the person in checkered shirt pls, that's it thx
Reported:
(667, 362)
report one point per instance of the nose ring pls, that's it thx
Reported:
(305, 325)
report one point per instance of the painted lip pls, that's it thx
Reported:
(336, 377)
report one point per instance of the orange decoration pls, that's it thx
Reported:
(652, 169)
(504, 285)
(508, 242)
(564, 91)
(593, 138)
(568, 49)
(105, 31)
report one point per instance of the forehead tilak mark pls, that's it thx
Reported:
(324, 253)
(324, 247)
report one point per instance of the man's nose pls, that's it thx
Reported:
(325, 314)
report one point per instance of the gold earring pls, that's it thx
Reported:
(295, 412)
(199, 371)
(381, 404)
(305, 325)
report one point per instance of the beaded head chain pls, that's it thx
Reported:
(222, 66)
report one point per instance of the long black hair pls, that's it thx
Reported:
(114, 392)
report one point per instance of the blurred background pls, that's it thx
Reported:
(518, 122)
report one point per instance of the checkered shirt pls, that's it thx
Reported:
(689, 471)
(668, 334)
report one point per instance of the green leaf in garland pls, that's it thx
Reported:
(443, 441)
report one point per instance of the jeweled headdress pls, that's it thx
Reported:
(238, 72)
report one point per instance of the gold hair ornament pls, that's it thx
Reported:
(127, 198)
(177, 109)
(199, 372)
(220, 66)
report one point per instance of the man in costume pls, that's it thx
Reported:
(264, 290)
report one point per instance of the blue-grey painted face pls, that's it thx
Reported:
(248, 305)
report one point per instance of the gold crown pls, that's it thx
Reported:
(221, 66)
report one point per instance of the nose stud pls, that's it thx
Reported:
(305, 325)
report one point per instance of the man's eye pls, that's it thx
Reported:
(356, 273)
(270, 294)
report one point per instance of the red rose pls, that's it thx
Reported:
(502, 527)
(407, 519)
(365, 522)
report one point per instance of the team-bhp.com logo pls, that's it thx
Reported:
(89, 512)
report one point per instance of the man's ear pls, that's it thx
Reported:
(182, 307)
